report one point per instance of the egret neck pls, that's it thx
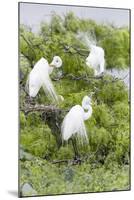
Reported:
(51, 67)
(87, 115)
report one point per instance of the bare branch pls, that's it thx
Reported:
(89, 78)
(78, 160)
(42, 108)
(84, 77)
(39, 108)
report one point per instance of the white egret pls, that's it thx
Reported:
(73, 123)
(39, 77)
(96, 59)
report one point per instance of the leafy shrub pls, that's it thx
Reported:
(107, 166)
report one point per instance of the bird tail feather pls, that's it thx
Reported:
(50, 91)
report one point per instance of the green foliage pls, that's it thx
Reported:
(117, 48)
(108, 151)
(112, 92)
(50, 179)
(22, 119)
(35, 136)
(108, 132)
(61, 32)
(71, 22)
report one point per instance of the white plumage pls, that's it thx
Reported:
(39, 77)
(73, 123)
(96, 59)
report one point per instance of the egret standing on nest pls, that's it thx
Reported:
(73, 124)
(96, 59)
(39, 77)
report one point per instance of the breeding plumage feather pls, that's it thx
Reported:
(39, 77)
(96, 59)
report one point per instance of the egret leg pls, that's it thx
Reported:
(32, 100)
(77, 156)
(29, 100)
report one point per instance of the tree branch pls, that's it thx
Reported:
(89, 78)
(72, 77)
(39, 108)
(76, 161)
(84, 77)
(42, 108)
(67, 49)
(28, 43)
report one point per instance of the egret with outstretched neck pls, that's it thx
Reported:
(39, 77)
(73, 123)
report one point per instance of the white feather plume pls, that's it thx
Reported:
(73, 123)
(95, 58)
(39, 77)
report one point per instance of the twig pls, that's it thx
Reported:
(60, 161)
(86, 78)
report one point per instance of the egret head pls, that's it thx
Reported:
(86, 102)
(56, 62)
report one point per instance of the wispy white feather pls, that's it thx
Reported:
(39, 77)
(96, 55)
(73, 123)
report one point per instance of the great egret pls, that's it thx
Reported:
(73, 123)
(96, 59)
(39, 77)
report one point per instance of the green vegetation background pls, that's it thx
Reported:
(108, 128)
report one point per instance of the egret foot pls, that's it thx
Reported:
(77, 159)
(101, 75)
(30, 100)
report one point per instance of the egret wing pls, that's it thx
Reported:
(73, 123)
(39, 77)
(33, 84)
(45, 79)
(48, 88)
